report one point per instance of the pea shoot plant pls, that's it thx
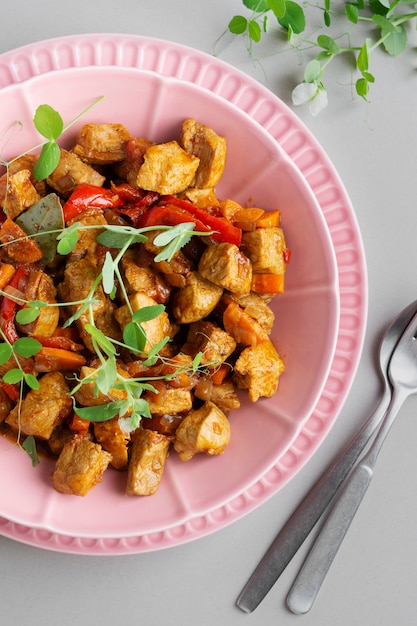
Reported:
(384, 23)
(118, 239)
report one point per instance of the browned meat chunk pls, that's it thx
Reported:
(143, 279)
(70, 172)
(206, 429)
(258, 369)
(155, 329)
(209, 147)
(195, 300)
(128, 169)
(6, 405)
(87, 245)
(168, 399)
(40, 286)
(147, 462)
(79, 279)
(265, 248)
(44, 408)
(28, 162)
(102, 144)
(202, 198)
(215, 344)
(225, 265)
(167, 169)
(256, 307)
(242, 326)
(114, 440)
(17, 193)
(88, 395)
(19, 247)
(223, 395)
(80, 466)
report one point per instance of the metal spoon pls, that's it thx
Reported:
(403, 376)
(304, 518)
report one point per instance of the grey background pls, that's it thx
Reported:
(373, 580)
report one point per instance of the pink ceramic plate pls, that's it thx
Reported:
(150, 86)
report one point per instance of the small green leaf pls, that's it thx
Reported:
(294, 17)
(108, 273)
(328, 43)
(259, 6)
(166, 236)
(100, 413)
(362, 62)
(147, 313)
(5, 353)
(277, 7)
(153, 353)
(47, 161)
(107, 376)
(67, 239)
(362, 87)
(31, 381)
(27, 315)
(48, 122)
(102, 340)
(141, 407)
(13, 376)
(352, 13)
(326, 18)
(313, 72)
(134, 337)
(197, 361)
(29, 446)
(254, 31)
(396, 40)
(27, 346)
(238, 25)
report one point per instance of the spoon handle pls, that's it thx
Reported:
(318, 561)
(304, 518)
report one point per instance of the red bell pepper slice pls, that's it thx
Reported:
(170, 216)
(223, 230)
(86, 196)
(12, 390)
(135, 210)
(8, 308)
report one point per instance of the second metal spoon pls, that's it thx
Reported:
(304, 518)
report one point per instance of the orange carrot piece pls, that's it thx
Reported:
(247, 219)
(7, 272)
(79, 425)
(56, 359)
(268, 283)
(243, 328)
(268, 219)
(220, 374)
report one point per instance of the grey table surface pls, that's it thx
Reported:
(374, 578)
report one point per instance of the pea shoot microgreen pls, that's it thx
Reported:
(383, 22)
(44, 222)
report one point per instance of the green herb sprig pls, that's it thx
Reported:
(106, 376)
(50, 125)
(384, 22)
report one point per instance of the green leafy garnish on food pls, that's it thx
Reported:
(50, 125)
(383, 24)
(29, 446)
(45, 219)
